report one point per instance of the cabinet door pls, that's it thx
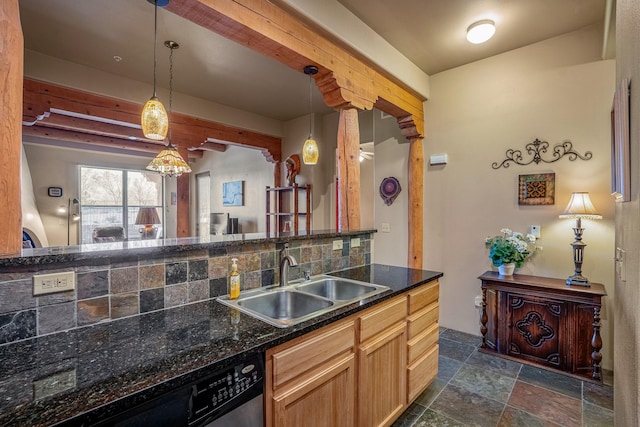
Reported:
(536, 329)
(324, 399)
(382, 377)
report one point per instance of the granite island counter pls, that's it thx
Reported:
(86, 374)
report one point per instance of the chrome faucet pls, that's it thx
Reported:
(286, 261)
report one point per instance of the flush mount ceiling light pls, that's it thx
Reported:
(169, 161)
(154, 119)
(481, 31)
(310, 147)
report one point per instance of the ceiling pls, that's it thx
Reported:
(428, 32)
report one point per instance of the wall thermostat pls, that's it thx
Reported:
(438, 159)
(55, 191)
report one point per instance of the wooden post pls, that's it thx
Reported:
(11, 70)
(416, 202)
(183, 214)
(277, 174)
(348, 168)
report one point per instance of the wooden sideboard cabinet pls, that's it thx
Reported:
(543, 321)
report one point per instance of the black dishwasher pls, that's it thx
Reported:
(230, 397)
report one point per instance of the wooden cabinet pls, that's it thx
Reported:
(288, 209)
(422, 345)
(382, 363)
(543, 321)
(363, 370)
(310, 381)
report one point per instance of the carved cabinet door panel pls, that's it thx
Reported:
(535, 329)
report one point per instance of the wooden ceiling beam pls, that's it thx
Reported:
(45, 132)
(53, 106)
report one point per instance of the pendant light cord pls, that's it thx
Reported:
(169, 144)
(155, 48)
(310, 107)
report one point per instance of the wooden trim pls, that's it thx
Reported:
(183, 215)
(11, 70)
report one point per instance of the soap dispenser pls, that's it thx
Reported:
(234, 280)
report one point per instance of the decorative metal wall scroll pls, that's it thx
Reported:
(536, 149)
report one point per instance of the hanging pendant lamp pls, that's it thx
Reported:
(154, 119)
(310, 147)
(169, 162)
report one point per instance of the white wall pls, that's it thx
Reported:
(320, 175)
(627, 297)
(30, 215)
(236, 164)
(556, 90)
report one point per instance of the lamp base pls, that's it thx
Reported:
(148, 233)
(578, 280)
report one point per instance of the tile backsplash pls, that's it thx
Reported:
(114, 288)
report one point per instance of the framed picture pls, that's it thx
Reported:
(537, 189)
(232, 193)
(54, 191)
(620, 181)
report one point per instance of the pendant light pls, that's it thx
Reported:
(154, 119)
(310, 147)
(169, 161)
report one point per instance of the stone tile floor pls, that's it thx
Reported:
(479, 389)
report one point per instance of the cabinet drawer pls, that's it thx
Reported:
(311, 352)
(380, 318)
(422, 342)
(422, 319)
(422, 372)
(424, 296)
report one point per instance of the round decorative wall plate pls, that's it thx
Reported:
(389, 190)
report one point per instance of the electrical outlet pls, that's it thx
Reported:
(385, 227)
(337, 245)
(355, 242)
(535, 230)
(56, 282)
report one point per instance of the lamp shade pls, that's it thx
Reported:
(147, 216)
(580, 206)
(169, 162)
(310, 152)
(154, 119)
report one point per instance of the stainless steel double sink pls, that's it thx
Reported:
(284, 306)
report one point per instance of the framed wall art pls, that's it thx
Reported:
(232, 194)
(620, 181)
(537, 189)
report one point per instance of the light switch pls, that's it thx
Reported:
(385, 227)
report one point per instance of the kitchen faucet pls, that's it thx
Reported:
(286, 261)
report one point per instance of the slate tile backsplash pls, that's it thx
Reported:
(122, 287)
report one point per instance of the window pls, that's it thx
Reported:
(110, 200)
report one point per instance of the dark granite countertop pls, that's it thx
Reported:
(159, 247)
(87, 374)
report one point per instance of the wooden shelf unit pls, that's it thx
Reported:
(283, 206)
(543, 321)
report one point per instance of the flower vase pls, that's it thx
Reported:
(507, 269)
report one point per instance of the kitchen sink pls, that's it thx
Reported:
(337, 289)
(284, 306)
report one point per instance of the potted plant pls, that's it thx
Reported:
(510, 250)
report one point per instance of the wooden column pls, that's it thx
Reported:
(11, 70)
(348, 168)
(277, 174)
(416, 201)
(183, 189)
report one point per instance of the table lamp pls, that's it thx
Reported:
(579, 207)
(148, 217)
